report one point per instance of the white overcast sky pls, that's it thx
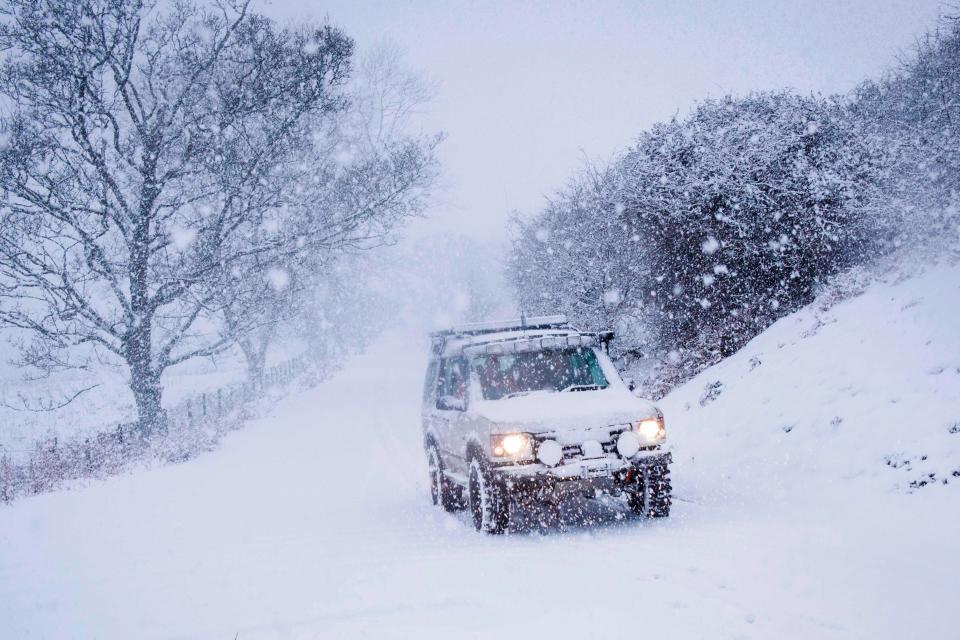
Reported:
(527, 90)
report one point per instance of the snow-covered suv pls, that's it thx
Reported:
(531, 411)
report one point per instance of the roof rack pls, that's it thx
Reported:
(556, 325)
(477, 328)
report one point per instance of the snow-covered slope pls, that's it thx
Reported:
(858, 396)
(315, 522)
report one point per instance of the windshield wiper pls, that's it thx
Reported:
(584, 387)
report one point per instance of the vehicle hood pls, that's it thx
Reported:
(563, 411)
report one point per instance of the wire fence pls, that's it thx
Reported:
(192, 426)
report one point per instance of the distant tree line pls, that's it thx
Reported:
(178, 179)
(711, 226)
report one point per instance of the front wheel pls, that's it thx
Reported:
(652, 493)
(489, 500)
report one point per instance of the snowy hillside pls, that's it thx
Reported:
(316, 522)
(861, 396)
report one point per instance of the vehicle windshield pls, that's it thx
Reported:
(503, 376)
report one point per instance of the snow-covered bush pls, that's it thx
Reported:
(708, 229)
(714, 225)
(843, 286)
(912, 115)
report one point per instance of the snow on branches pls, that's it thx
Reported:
(712, 226)
(709, 227)
(156, 156)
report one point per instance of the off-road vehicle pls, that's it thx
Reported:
(530, 412)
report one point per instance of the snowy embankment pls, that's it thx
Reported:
(315, 521)
(860, 395)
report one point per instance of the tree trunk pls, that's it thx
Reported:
(255, 353)
(147, 393)
(144, 380)
(138, 342)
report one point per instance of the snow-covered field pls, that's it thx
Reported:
(794, 516)
(109, 402)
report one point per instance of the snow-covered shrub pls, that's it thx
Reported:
(912, 116)
(843, 286)
(6, 478)
(708, 229)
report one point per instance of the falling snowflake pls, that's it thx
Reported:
(611, 297)
(279, 279)
(345, 156)
(182, 237)
(710, 245)
(461, 301)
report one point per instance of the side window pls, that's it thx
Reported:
(430, 383)
(453, 384)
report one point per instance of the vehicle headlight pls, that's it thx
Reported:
(511, 444)
(650, 429)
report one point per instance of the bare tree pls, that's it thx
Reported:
(142, 141)
(358, 180)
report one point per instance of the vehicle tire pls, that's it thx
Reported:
(660, 495)
(489, 500)
(442, 491)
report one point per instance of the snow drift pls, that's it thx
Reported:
(860, 394)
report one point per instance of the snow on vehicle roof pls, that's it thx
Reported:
(455, 345)
(513, 334)
(557, 321)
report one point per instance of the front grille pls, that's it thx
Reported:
(572, 451)
(575, 451)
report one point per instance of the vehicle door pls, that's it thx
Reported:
(431, 386)
(450, 410)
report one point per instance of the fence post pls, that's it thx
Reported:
(5, 475)
(203, 401)
(220, 401)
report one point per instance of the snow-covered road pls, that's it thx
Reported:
(315, 522)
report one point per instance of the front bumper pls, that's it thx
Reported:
(608, 472)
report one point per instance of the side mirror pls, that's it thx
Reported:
(451, 403)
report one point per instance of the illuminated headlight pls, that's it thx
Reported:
(650, 429)
(515, 445)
